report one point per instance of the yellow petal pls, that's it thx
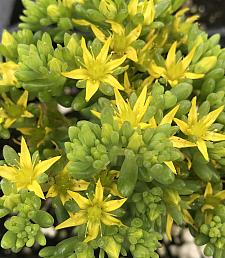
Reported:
(149, 13)
(187, 60)
(131, 54)
(27, 114)
(92, 230)
(182, 125)
(25, 158)
(88, 58)
(208, 190)
(139, 104)
(187, 217)
(133, 35)
(113, 205)
(209, 119)
(102, 56)
(193, 116)
(22, 101)
(98, 33)
(132, 7)
(64, 198)
(95, 113)
(203, 148)
(82, 202)
(79, 185)
(120, 102)
(109, 79)
(114, 190)
(215, 137)
(169, 224)
(109, 220)
(91, 89)
(156, 71)
(9, 121)
(8, 173)
(78, 74)
(36, 188)
(81, 22)
(172, 83)
(42, 166)
(152, 122)
(116, 27)
(168, 118)
(98, 197)
(110, 66)
(181, 143)
(76, 219)
(207, 207)
(220, 195)
(127, 85)
(171, 56)
(182, 12)
(52, 192)
(193, 75)
(170, 165)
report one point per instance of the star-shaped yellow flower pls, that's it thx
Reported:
(125, 112)
(199, 130)
(63, 183)
(7, 73)
(121, 42)
(26, 173)
(174, 70)
(176, 141)
(93, 212)
(96, 70)
(11, 111)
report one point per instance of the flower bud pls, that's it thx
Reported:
(108, 8)
(53, 11)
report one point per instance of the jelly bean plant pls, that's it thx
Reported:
(141, 145)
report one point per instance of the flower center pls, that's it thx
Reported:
(94, 213)
(14, 111)
(197, 130)
(24, 177)
(97, 70)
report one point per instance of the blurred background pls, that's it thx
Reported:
(212, 19)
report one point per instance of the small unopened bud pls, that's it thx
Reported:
(53, 11)
(108, 8)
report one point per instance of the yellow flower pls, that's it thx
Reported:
(212, 199)
(174, 199)
(63, 183)
(146, 8)
(121, 43)
(25, 174)
(93, 212)
(96, 70)
(176, 141)
(7, 73)
(199, 129)
(11, 111)
(133, 115)
(125, 112)
(182, 25)
(174, 70)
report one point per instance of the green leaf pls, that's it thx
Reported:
(128, 174)
(10, 155)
